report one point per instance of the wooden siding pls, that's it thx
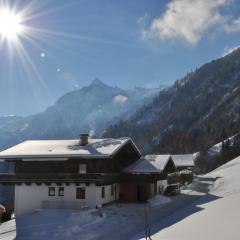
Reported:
(169, 168)
(69, 166)
(126, 156)
(133, 192)
(99, 179)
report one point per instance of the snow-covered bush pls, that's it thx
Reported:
(182, 177)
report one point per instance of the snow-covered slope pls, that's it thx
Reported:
(215, 216)
(217, 148)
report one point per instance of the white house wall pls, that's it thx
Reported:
(28, 198)
(108, 197)
(161, 185)
(152, 192)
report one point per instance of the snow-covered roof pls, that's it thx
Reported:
(62, 149)
(183, 160)
(149, 164)
(217, 148)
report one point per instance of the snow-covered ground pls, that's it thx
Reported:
(159, 199)
(214, 216)
(52, 224)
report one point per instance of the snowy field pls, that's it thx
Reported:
(118, 219)
(214, 216)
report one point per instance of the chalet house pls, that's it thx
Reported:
(183, 161)
(82, 172)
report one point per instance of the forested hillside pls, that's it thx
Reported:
(198, 111)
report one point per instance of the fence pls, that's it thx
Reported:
(64, 205)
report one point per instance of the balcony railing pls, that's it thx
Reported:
(58, 178)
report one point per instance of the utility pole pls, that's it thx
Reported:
(147, 220)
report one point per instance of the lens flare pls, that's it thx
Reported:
(10, 24)
(25, 28)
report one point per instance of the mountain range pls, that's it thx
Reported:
(89, 110)
(196, 112)
(199, 110)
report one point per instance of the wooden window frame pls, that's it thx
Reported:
(80, 197)
(61, 191)
(112, 190)
(103, 192)
(50, 189)
(83, 172)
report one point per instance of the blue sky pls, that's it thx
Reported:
(124, 43)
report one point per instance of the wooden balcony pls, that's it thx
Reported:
(98, 178)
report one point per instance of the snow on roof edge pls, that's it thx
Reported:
(5, 157)
(130, 169)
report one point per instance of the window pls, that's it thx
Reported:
(51, 191)
(112, 190)
(80, 193)
(155, 188)
(82, 168)
(61, 191)
(103, 192)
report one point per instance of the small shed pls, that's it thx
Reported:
(144, 178)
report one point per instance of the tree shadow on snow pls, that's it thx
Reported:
(181, 213)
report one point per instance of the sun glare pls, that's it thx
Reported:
(10, 24)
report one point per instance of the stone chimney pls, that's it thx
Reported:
(83, 139)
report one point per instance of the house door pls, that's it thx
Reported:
(155, 188)
(139, 193)
(142, 192)
(131, 192)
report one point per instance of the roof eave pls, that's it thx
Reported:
(57, 156)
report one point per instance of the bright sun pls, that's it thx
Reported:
(10, 24)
